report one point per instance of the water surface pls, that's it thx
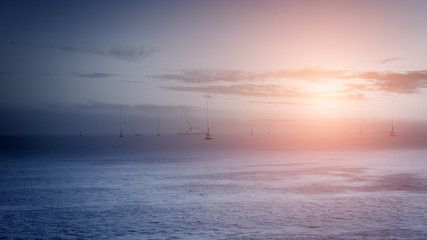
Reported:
(185, 188)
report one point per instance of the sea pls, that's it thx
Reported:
(231, 187)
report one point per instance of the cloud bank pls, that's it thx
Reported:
(121, 52)
(234, 82)
(209, 76)
(94, 75)
(232, 76)
(387, 60)
(280, 103)
(405, 82)
(148, 108)
(258, 90)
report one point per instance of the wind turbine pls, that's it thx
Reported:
(208, 134)
(158, 125)
(392, 133)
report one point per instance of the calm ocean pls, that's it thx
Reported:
(183, 187)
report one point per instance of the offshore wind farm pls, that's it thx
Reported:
(272, 119)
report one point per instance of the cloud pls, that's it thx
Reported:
(77, 74)
(270, 91)
(256, 90)
(279, 103)
(387, 60)
(312, 74)
(351, 87)
(351, 96)
(254, 83)
(209, 76)
(217, 76)
(132, 82)
(94, 75)
(122, 52)
(406, 82)
(148, 108)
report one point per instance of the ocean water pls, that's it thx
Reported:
(182, 187)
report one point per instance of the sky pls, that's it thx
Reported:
(272, 62)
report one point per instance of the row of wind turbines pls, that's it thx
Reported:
(208, 135)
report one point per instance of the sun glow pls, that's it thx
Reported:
(328, 98)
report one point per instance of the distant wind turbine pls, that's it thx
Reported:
(392, 133)
(208, 134)
(158, 125)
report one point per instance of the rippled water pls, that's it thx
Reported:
(145, 188)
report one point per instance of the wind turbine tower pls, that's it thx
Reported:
(392, 133)
(208, 134)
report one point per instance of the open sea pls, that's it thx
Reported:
(183, 187)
